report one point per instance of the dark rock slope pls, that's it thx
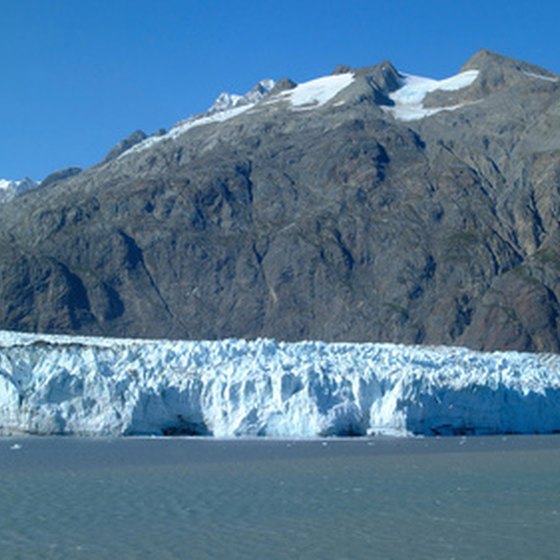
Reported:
(341, 222)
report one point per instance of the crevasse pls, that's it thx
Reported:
(228, 388)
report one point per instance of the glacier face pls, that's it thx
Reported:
(228, 388)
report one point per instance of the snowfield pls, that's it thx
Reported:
(409, 98)
(318, 92)
(228, 388)
(306, 96)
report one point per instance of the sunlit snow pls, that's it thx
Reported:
(183, 127)
(95, 386)
(315, 93)
(226, 106)
(308, 95)
(541, 76)
(409, 98)
(24, 184)
(10, 189)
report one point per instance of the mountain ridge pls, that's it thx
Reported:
(315, 212)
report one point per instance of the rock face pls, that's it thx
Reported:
(364, 206)
(124, 145)
(60, 175)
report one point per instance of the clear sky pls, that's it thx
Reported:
(79, 75)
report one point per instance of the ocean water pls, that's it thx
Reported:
(379, 498)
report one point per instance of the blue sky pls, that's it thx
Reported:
(79, 75)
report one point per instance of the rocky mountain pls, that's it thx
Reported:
(368, 205)
(60, 175)
(10, 189)
(131, 140)
(227, 101)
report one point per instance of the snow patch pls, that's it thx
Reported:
(227, 101)
(183, 127)
(11, 189)
(316, 93)
(409, 98)
(541, 76)
(95, 386)
(226, 106)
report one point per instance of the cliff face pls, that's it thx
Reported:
(346, 209)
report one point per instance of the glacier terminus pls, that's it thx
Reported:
(54, 384)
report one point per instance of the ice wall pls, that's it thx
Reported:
(93, 386)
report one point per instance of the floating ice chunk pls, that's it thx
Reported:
(408, 99)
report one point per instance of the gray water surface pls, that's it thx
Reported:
(485, 497)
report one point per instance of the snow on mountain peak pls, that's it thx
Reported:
(410, 96)
(10, 189)
(541, 76)
(308, 95)
(227, 101)
(315, 93)
(226, 106)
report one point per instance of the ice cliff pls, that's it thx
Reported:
(93, 386)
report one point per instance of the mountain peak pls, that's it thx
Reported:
(10, 189)
(483, 57)
(131, 140)
(485, 60)
(60, 175)
(384, 74)
(226, 101)
(499, 72)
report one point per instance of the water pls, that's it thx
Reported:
(192, 498)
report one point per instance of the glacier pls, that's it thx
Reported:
(318, 92)
(409, 98)
(51, 384)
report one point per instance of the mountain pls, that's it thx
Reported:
(368, 205)
(10, 189)
(227, 101)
